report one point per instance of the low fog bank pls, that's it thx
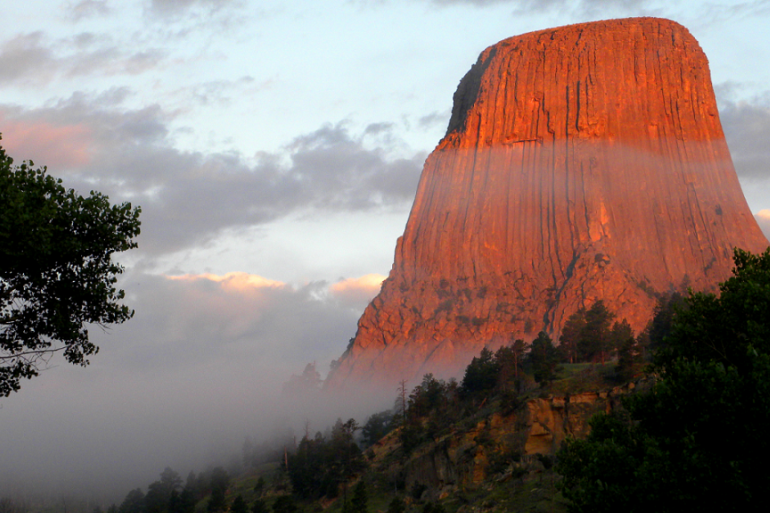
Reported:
(200, 367)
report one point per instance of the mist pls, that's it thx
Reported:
(275, 148)
(198, 369)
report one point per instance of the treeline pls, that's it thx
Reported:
(697, 441)
(322, 466)
(434, 406)
(170, 495)
(590, 335)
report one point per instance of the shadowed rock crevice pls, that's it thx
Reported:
(581, 163)
(467, 92)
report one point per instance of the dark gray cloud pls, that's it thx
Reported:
(189, 198)
(24, 56)
(36, 59)
(746, 123)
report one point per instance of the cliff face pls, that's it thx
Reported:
(581, 163)
(464, 458)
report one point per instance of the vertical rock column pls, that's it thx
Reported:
(581, 163)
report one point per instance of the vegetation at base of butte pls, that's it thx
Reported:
(682, 411)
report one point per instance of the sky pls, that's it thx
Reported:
(274, 148)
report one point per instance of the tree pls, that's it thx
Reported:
(284, 504)
(377, 426)
(729, 328)
(239, 505)
(318, 466)
(159, 493)
(481, 373)
(571, 334)
(220, 481)
(259, 506)
(8, 505)
(56, 270)
(133, 503)
(697, 441)
(544, 358)
(259, 486)
(397, 505)
(595, 337)
(360, 500)
(660, 326)
(629, 356)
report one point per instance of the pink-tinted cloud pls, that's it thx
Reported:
(763, 219)
(56, 146)
(357, 292)
(237, 281)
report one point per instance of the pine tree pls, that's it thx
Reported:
(359, 502)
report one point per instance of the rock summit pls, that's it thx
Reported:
(581, 163)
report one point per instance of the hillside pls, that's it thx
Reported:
(456, 452)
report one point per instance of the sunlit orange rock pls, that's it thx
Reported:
(581, 163)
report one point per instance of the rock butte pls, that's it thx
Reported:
(581, 163)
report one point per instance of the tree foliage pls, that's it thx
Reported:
(481, 373)
(159, 493)
(134, 502)
(320, 465)
(8, 505)
(56, 270)
(219, 482)
(285, 504)
(728, 328)
(544, 358)
(239, 505)
(360, 501)
(697, 441)
(377, 426)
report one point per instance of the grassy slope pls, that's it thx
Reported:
(526, 485)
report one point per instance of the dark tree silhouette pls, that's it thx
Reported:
(56, 270)
(544, 358)
(697, 441)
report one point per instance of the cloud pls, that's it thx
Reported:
(224, 317)
(66, 145)
(189, 198)
(238, 281)
(35, 59)
(712, 13)
(175, 7)
(24, 56)
(87, 9)
(763, 219)
(746, 124)
(218, 92)
(357, 292)
(434, 118)
(581, 7)
(200, 366)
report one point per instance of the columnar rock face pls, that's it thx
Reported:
(581, 163)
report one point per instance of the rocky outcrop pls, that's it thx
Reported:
(580, 163)
(518, 439)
